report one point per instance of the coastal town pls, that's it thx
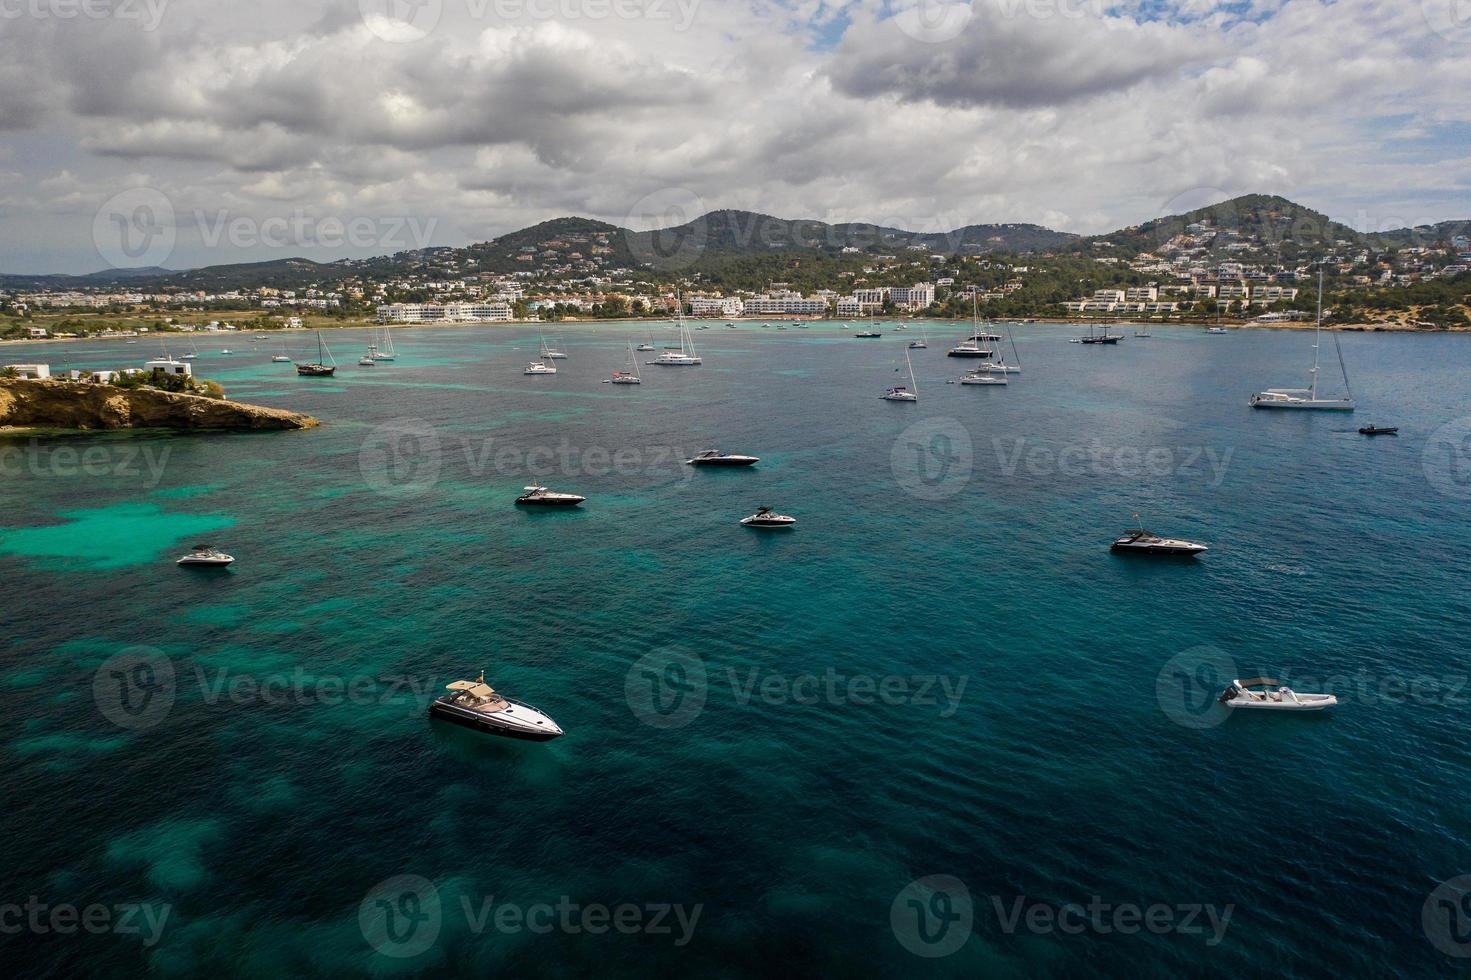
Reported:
(1197, 270)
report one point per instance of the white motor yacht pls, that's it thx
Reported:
(206, 556)
(280, 359)
(714, 457)
(475, 704)
(983, 376)
(1241, 695)
(766, 517)
(536, 367)
(543, 497)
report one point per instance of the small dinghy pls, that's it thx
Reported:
(1379, 430)
(1241, 695)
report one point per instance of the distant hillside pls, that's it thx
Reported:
(728, 234)
(1444, 231)
(1262, 220)
(731, 246)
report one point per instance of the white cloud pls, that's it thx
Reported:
(804, 108)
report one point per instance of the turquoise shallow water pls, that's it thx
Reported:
(1058, 751)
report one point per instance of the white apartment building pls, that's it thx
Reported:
(443, 312)
(716, 306)
(779, 303)
(916, 297)
(1142, 294)
(1267, 295)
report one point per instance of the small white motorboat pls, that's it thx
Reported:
(280, 359)
(766, 517)
(536, 367)
(475, 704)
(1241, 695)
(983, 378)
(206, 556)
(549, 498)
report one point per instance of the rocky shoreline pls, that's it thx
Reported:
(79, 405)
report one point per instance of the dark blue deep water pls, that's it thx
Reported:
(936, 705)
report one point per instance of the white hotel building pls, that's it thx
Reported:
(443, 312)
(785, 302)
(716, 306)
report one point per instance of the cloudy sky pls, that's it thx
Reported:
(190, 132)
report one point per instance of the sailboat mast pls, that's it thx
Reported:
(910, 364)
(1317, 334)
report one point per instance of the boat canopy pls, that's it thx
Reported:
(476, 688)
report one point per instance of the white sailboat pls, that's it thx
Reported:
(1001, 365)
(629, 377)
(899, 393)
(547, 354)
(1307, 398)
(923, 342)
(684, 355)
(384, 351)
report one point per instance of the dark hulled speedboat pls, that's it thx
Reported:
(542, 497)
(476, 705)
(714, 457)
